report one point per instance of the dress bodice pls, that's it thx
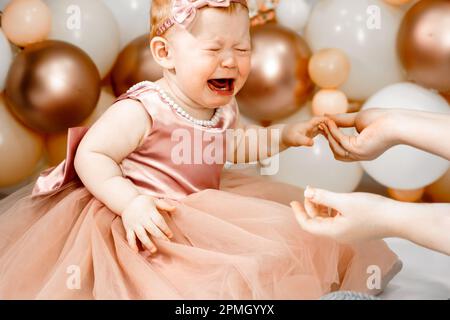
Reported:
(176, 158)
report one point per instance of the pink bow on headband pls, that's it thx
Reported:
(184, 11)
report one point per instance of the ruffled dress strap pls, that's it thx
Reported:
(56, 178)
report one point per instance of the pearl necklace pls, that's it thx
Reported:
(204, 123)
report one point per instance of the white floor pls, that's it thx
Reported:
(425, 274)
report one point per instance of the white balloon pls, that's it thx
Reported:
(133, 17)
(366, 31)
(314, 166)
(3, 3)
(90, 25)
(293, 14)
(404, 167)
(106, 99)
(5, 59)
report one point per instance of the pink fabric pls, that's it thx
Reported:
(151, 167)
(54, 179)
(235, 237)
(184, 11)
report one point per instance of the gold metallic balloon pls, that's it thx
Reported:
(52, 85)
(424, 44)
(56, 144)
(446, 97)
(134, 64)
(397, 2)
(279, 82)
(439, 191)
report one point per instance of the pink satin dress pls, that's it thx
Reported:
(235, 237)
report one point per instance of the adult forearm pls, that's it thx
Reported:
(424, 130)
(427, 225)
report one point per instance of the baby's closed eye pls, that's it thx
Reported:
(243, 51)
(213, 49)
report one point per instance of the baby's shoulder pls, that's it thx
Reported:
(142, 89)
(126, 115)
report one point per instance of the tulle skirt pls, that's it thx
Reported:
(239, 242)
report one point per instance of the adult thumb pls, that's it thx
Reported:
(325, 198)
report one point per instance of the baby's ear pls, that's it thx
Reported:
(159, 47)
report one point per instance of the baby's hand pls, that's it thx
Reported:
(302, 133)
(142, 216)
(376, 134)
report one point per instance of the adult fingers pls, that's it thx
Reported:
(347, 142)
(334, 145)
(325, 198)
(310, 209)
(317, 226)
(345, 120)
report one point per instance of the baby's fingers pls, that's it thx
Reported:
(154, 231)
(159, 221)
(162, 204)
(131, 239)
(145, 240)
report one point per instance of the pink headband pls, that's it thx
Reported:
(183, 11)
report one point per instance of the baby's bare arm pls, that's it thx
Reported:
(119, 131)
(255, 143)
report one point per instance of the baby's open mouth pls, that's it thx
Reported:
(223, 86)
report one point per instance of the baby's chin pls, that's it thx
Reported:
(218, 101)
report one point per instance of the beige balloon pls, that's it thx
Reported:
(26, 21)
(56, 144)
(329, 68)
(329, 101)
(406, 195)
(397, 2)
(20, 149)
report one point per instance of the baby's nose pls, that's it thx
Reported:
(229, 61)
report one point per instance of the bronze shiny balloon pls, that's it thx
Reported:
(279, 82)
(52, 85)
(134, 64)
(424, 44)
(446, 97)
(439, 191)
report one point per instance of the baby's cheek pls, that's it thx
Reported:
(244, 69)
